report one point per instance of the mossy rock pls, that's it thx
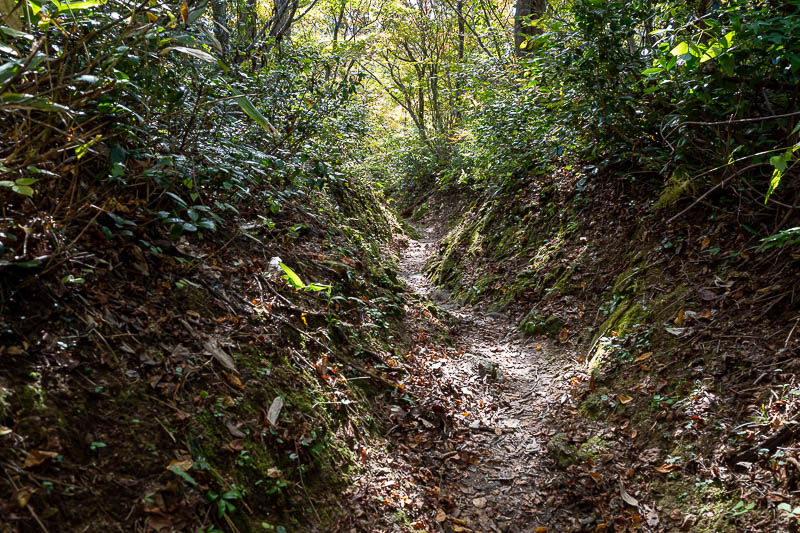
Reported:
(680, 184)
(622, 321)
(420, 212)
(565, 454)
(540, 324)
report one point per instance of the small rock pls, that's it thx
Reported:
(480, 503)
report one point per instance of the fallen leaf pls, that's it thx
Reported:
(212, 347)
(234, 429)
(541, 529)
(704, 243)
(627, 498)
(274, 473)
(666, 468)
(183, 464)
(563, 335)
(37, 457)
(5, 431)
(275, 410)
(651, 516)
(441, 516)
(184, 12)
(679, 320)
(480, 503)
(623, 399)
(23, 495)
(706, 294)
(233, 380)
(235, 445)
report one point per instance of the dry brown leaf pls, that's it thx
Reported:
(666, 468)
(275, 410)
(233, 380)
(623, 399)
(183, 464)
(441, 516)
(704, 243)
(643, 357)
(680, 319)
(37, 457)
(23, 495)
(235, 445)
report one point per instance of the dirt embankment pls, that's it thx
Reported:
(678, 334)
(157, 384)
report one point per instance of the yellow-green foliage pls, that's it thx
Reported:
(679, 184)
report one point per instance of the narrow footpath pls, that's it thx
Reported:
(495, 389)
(476, 448)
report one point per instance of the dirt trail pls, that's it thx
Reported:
(498, 475)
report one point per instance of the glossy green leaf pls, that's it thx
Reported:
(293, 279)
(251, 110)
(26, 101)
(680, 49)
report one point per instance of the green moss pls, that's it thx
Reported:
(623, 320)
(32, 396)
(536, 323)
(680, 184)
(566, 454)
(5, 406)
(592, 449)
(707, 500)
(591, 406)
(420, 212)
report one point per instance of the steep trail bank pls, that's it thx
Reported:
(495, 473)
(667, 353)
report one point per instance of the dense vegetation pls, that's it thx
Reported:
(605, 169)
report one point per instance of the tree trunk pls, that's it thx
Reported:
(220, 15)
(526, 11)
(13, 20)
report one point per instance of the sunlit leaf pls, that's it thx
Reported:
(194, 52)
(293, 279)
(680, 49)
